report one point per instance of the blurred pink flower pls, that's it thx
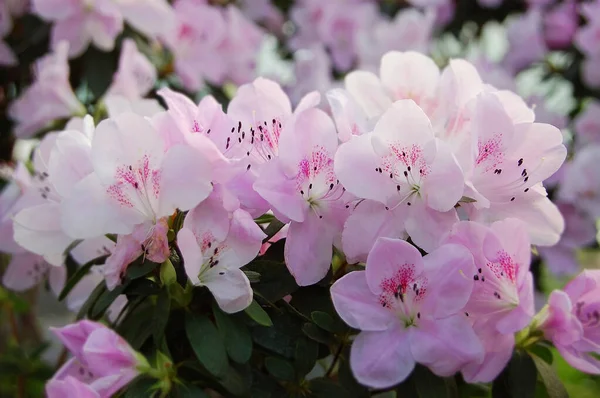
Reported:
(81, 22)
(571, 321)
(50, 97)
(560, 25)
(135, 76)
(526, 41)
(587, 124)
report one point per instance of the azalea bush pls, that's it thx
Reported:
(307, 199)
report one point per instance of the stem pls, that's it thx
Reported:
(13, 324)
(335, 359)
(21, 386)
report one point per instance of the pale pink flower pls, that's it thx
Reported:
(10, 204)
(49, 98)
(590, 70)
(81, 22)
(411, 29)
(26, 270)
(301, 186)
(350, 119)
(587, 124)
(509, 162)
(194, 40)
(581, 182)
(153, 18)
(404, 167)
(215, 244)
(408, 309)
(60, 162)
(102, 359)
(502, 300)
(70, 387)
(312, 69)
(572, 321)
(135, 76)
(265, 12)
(560, 24)
(526, 41)
(586, 38)
(580, 230)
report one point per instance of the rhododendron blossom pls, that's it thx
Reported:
(408, 308)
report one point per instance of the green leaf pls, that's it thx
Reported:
(80, 273)
(466, 199)
(548, 376)
(328, 322)
(265, 218)
(273, 227)
(429, 385)
(253, 277)
(207, 343)
(280, 368)
(280, 338)
(191, 391)
(105, 300)
(142, 287)
(234, 382)
(326, 388)
(238, 341)
(518, 379)
(140, 268)
(140, 388)
(92, 299)
(161, 315)
(98, 70)
(258, 315)
(314, 332)
(543, 351)
(307, 351)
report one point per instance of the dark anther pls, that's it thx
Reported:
(408, 203)
(301, 192)
(520, 162)
(136, 185)
(239, 126)
(526, 178)
(221, 273)
(526, 189)
(476, 277)
(209, 244)
(248, 167)
(483, 278)
(310, 186)
(391, 175)
(418, 315)
(398, 187)
(208, 131)
(512, 199)
(233, 129)
(268, 156)
(405, 173)
(524, 173)
(479, 270)
(466, 313)
(330, 186)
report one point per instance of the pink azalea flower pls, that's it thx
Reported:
(508, 165)
(502, 301)
(407, 308)
(411, 29)
(587, 37)
(81, 22)
(581, 182)
(135, 76)
(526, 41)
(102, 359)
(49, 98)
(26, 270)
(260, 111)
(312, 69)
(153, 18)
(571, 321)
(580, 230)
(350, 119)
(60, 162)
(194, 40)
(403, 166)
(301, 187)
(587, 124)
(590, 70)
(70, 387)
(10, 204)
(136, 179)
(215, 244)
(561, 24)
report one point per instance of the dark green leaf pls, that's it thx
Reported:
(317, 334)
(280, 368)
(161, 315)
(140, 268)
(89, 303)
(207, 343)
(346, 378)
(191, 391)
(328, 322)
(547, 374)
(140, 388)
(307, 351)
(542, 351)
(265, 218)
(238, 341)
(135, 327)
(105, 300)
(233, 382)
(429, 385)
(518, 379)
(99, 69)
(142, 287)
(80, 273)
(258, 315)
(280, 338)
(276, 281)
(253, 277)
(326, 388)
(273, 227)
